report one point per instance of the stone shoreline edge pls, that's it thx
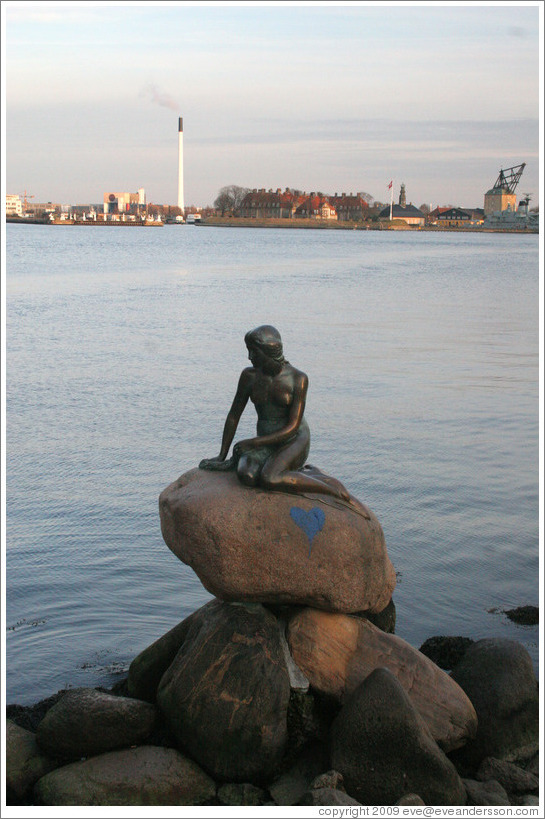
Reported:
(132, 736)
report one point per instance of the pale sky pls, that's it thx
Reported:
(331, 97)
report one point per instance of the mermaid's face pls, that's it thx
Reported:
(256, 356)
(262, 362)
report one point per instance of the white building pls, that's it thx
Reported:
(14, 206)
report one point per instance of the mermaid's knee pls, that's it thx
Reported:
(248, 473)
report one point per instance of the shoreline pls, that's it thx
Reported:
(58, 756)
(312, 224)
(289, 224)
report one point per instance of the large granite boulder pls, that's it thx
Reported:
(147, 775)
(247, 544)
(85, 722)
(148, 667)
(225, 696)
(383, 748)
(498, 677)
(337, 652)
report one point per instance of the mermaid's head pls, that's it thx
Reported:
(266, 341)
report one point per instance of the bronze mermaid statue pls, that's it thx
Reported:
(275, 458)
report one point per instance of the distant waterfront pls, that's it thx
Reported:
(123, 352)
(297, 224)
(310, 224)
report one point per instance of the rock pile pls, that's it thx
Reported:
(288, 688)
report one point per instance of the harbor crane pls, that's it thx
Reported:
(509, 178)
(25, 198)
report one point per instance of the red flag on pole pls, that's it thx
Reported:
(390, 185)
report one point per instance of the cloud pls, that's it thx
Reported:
(158, 97)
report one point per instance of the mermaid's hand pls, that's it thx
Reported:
(242, 447)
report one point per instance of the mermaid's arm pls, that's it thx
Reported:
(231, 422)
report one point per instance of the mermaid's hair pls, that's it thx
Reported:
(266, 339)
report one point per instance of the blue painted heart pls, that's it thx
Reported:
(310, 522)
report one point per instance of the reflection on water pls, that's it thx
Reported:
(123, 353)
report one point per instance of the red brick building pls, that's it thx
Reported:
(294, 204)
(316, 206)
(262, 204)
(350, 208)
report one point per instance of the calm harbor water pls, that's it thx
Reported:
(123, 354)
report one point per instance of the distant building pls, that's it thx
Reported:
(502, 195)
(294, 204)
(454, 217)
(496, 200)
(449, 214)
(316, 206)
(14, 206)
(123, 202)
(408, 213)
(434, 214)
(350, 208)
(41, 208)
(262, 204)
(476, 215)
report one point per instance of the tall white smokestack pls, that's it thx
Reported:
(181, 164)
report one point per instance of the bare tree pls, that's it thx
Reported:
(222, 201)
(230, 198)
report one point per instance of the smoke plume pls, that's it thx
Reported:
(158, 97)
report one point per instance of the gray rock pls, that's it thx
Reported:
(498, 677)
(225, 696)
(248, 544)
(329, 779)
(237, 793)
(137, 776)
(326, 796)
(294, 782)
(485, 793)
(410, 799)
(446, 652)
(383, 748)
(529, 800)
(524, 615)
(526, 757)
(25, 762)
(30, 716)
(85, 722)
(532, 763)
(513, 778)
